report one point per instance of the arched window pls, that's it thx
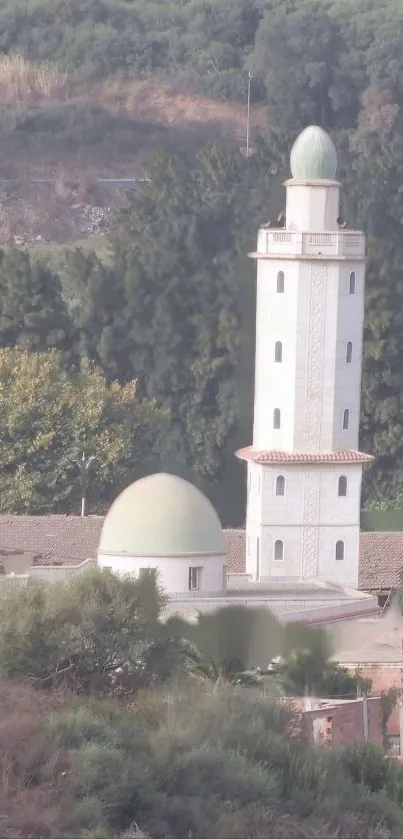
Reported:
(346, 419)
(339, 550)
(278, 351)
(276, 418)
(280, 282)
(352, 282)
(349, 352)
(342, 485)
(280, 485)
(278, 550)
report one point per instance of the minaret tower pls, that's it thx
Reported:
(304, 467)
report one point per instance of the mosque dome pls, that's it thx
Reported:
(161, 516)
(313, 156)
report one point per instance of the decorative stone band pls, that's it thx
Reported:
(279, 456)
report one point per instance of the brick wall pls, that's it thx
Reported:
(344, 723)
(383, 678)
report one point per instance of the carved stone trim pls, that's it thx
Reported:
(315, 356)
(310, 533)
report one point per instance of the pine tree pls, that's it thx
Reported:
(33, 314)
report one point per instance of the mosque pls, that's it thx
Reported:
(304, 468)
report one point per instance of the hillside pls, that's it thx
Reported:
(55, 128)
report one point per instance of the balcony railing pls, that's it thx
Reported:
(338, 243)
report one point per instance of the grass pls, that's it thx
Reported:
(49, 119)
(24, 81)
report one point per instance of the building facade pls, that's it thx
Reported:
(304, 467)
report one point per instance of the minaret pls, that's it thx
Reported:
(304, 467)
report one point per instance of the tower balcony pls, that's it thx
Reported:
(346, 244)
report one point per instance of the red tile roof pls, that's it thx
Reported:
(236, 550)
(280, 456)
(50, 539)
(381, 560)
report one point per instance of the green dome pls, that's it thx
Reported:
(313, 156)
(161, 515)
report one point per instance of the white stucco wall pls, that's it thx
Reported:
(301, 544)
(309, 519)
(314, 319)
(312, 206)
(173, 571)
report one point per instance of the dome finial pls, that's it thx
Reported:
(313, 156)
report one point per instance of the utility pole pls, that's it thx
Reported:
(84, 468)
(248, 115)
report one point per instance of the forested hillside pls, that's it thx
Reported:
(172, 305)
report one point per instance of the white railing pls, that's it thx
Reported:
(337, 243)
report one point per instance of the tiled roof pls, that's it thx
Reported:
(381, 560)
(50, 539)
(236, 550)
(279, 456)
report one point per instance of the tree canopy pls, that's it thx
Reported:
(50, 416)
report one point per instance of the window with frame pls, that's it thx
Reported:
(342, 491)
(339, 550)
(349, 352)
(278, 550)
(280, 485)
(280, 282)
(195, 578)
(276, 418)
(346, 419)
(352, 283)
(278, 352)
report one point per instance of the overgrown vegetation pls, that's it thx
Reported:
(114, 725)
(193, 761)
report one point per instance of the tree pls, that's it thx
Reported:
(174, 246)
(96, 301)
(374, 160)
(33, 314)
(235, 640)
(78, 633)
(309, 672)
(300, 52)
(49, 417)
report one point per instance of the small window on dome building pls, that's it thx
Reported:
(278, 352)
(276, 418)
(278, 550)
(339, 550)
(280, 282)
(195, 579)
(280, 485)
(352, 283)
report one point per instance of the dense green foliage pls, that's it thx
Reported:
(174, 307)
(76, 634)
(223, 763)
(50, 416)
(122, 735)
